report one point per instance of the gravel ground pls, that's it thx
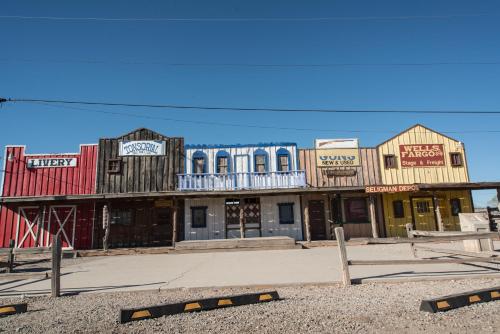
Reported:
(374, 308)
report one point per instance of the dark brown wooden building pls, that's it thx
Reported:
(139, 173)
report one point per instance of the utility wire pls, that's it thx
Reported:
(247, 19)
(251, 65)
(231, 108)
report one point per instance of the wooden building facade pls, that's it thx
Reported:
(34, 223)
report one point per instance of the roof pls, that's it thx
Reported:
(138, 130)
(412, 127)
(202, 146)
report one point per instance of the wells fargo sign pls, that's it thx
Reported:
(396, 188)
(142, 147)
(431, 155)
(337, 157)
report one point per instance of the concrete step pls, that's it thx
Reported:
(237, 244)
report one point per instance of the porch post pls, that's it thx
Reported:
(306, 221)
(438, 214)
(105, 226)
(498, 197)
(242, 220)
(174, 223)
(373, 217)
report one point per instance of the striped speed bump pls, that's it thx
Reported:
(450, 302)
(127, 315)
(6, 310)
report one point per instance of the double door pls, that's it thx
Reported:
(246, 209)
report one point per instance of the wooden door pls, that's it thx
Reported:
(423, 213)
(317, 219)
(30, 230)
(62, 220)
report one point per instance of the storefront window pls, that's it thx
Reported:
(399, 209)
(286, 213)
(121, 217)
(356, 210)
(456, 208)
(198, 216)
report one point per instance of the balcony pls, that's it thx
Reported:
(239, 181)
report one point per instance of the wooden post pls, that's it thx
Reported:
(346, 277)
(10, 256)
(373, 217)
(174, 222)
(409, 230)
(105, 226)
(56, 266)
(306, 222)
(242, 220)
(498, 197)
(438, 214)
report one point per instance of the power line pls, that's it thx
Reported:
(231, 108)
(248, 19)
(251, 65)
(247, 125)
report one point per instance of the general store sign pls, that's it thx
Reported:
(425, 155)
(142, 147)
(50, 162)
(337, 157)
(396, 188)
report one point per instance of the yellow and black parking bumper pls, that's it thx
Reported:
(450, 302)
(6, 310)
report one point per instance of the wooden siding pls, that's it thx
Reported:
(22, 181)
(366, 174)
(211, 153)
(396, 226)
(270, 220)
(422, 135)
(140, 173)
(216, 222)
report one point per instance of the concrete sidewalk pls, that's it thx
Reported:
(222, 269)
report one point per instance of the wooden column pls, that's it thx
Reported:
(10, 256)
(498, 197)
(174, 223)
(105, 226)
(242, 220)
(373, 216)
(306, 221)
(344, 264)
(438, 215)
(55, 282)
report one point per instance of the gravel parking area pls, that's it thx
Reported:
(379, 308)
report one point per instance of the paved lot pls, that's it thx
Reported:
(223, 269)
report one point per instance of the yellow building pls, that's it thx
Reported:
(425, 181)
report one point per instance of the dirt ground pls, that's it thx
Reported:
(374, 308)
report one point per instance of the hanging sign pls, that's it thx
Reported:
(336, 143)
(396, 188)
(50, 162)
(337, 157)
(164, 203)
(340, 172)
(142, 147)
(425, 155)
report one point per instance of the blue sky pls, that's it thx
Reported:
(91, 60)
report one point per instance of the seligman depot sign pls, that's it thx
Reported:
(142, 147)
(396, 188)
(337, 157)
(424, 155)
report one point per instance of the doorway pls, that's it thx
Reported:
(317, 219)
(423, 213)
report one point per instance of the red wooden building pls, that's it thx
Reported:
(31, 212)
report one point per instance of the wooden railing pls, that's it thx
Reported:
(236, 181)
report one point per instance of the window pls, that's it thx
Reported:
(356, 210)
(456, 207)
(198, 216)
(283, 160)
(423, 207)
(260, 161)
(199, 162)
(114, 166)
(389, 161)
(398, 209)
(456, 159)
(286, 213)
(222, 161)
(121, 217)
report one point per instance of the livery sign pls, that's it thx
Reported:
(142, 147)
(50, 162)
(339, 157)
(421, 155)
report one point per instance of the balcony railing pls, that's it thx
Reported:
(237, 181)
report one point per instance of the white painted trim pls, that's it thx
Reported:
(43, 154)
(61, 225)
(26, 220)
(2, 181)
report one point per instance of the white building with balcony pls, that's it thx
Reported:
(250, 172)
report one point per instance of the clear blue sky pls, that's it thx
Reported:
(49, 59)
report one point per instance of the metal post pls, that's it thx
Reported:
(56, 266)
(344, 264)
(373, 217)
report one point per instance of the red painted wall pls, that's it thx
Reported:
(22, 181)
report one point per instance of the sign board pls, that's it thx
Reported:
(421, 155)
(336, 143)
(142, 147)
(164, 203)
(337, 157)
(340, 172)
(51, 162)
(396, 188)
